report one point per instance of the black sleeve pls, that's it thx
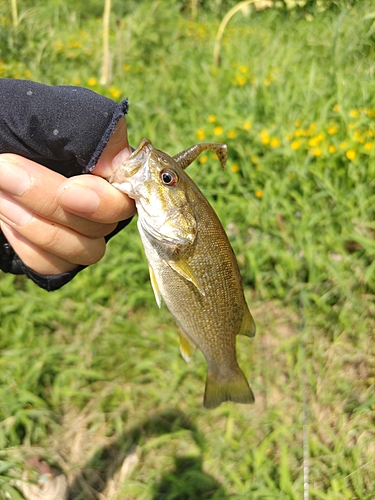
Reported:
(64, 128)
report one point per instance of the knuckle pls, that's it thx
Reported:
(69, 245)
(48, 239)
(88, 254)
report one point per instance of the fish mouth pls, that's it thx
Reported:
(132, 164)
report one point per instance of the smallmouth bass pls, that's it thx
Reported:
(191, 262)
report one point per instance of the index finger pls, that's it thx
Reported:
(36, 188)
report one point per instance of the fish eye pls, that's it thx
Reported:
(168, 177)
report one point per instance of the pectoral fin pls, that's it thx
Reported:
(187, 347)
(248, 325)
(155, 286)
(183, 269)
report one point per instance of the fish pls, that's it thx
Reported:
(192, 265)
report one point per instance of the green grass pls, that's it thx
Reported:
(92, 372)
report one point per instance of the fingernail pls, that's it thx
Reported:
(79, 198)
(13, 179)
(11, 212)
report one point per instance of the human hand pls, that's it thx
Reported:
(54, 223)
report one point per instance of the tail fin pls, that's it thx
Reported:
(234, 389)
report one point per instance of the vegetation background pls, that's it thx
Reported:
(91, 375)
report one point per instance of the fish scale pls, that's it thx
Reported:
(192, 265)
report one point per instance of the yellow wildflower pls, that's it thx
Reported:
(240, 80)
(275, 142)
(336, 108)
(75, 45)
(312, 127)
(343, 145)
(332, 149)
(232, 134)
(332, 129)
(218, 130)
(265, 139)
(92, 81)
(353, 113)
(115, 92)
(317, 151)
(351, 154)
(247, 125)
(289, 137)
(203, 159)
(243, 69)
(126, 67)
(298, 123)
(295, 145)
(259, 193)
(369, 146)
(263, 132)
(235, 168)
(267, 82)
(211, 118)
(314, 141)
(255, 159)
(201, 134)
(299, 132)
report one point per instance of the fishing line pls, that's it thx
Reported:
(305, 402)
